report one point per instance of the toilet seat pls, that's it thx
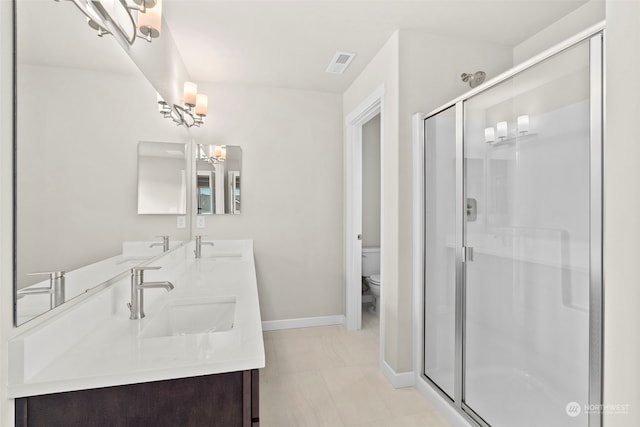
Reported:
(374, 279)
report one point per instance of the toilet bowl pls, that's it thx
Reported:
(371, 273)
(374, 286)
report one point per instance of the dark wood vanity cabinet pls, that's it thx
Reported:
(220, 400)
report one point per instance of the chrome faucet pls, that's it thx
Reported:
(138, 285)
(56, 288)
(199, 244)
(164, 244)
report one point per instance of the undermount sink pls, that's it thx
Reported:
(192, 316)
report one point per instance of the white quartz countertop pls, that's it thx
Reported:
(95, 345)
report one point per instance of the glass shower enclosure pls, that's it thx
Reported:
(512, 244)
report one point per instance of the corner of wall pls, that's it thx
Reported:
(583, 17)
(621, 221)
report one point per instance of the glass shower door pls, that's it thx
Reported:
(440, 254)
(526, 238)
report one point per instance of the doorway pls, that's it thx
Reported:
(369, 109)
(371, 184)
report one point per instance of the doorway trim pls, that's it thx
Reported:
(369, 108)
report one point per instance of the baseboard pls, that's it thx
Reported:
(305, 322)
(444, 407)
(398, 380)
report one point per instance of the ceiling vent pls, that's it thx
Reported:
(340, 62)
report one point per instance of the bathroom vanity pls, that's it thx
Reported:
(219, 400)
(193, 360)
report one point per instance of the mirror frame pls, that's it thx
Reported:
(14, 162)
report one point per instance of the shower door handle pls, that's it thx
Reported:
(467, 254)
(472, 209)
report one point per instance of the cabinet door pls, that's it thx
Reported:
(211, 400)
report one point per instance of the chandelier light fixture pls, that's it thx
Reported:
(192, 111)
(131, 19)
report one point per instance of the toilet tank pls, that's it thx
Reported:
(370, 261)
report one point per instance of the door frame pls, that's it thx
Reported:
(369, 108)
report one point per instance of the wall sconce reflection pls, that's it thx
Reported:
(501, 131)
(212, 154)
(523, 124)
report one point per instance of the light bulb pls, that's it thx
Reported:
(190, 93)
(201, 104)
(502, 129)
(489, 134)
(150, 22)
(523, 124)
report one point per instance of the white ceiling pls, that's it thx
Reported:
(290, 43)
(278, 43)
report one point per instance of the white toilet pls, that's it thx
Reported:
(371, 272)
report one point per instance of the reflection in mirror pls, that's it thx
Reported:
(81, 107)
(57, 72)
(218, 171)
(206, 181)
(162, 187)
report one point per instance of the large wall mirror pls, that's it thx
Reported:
(218, 179)
(82, 105)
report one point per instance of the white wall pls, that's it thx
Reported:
(371, 183)
(292, 195)
(622, 222)
(583, 17)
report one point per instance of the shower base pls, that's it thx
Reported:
(506, 397)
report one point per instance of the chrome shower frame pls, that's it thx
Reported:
(594, 35)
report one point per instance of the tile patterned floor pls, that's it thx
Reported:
(328, 376)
